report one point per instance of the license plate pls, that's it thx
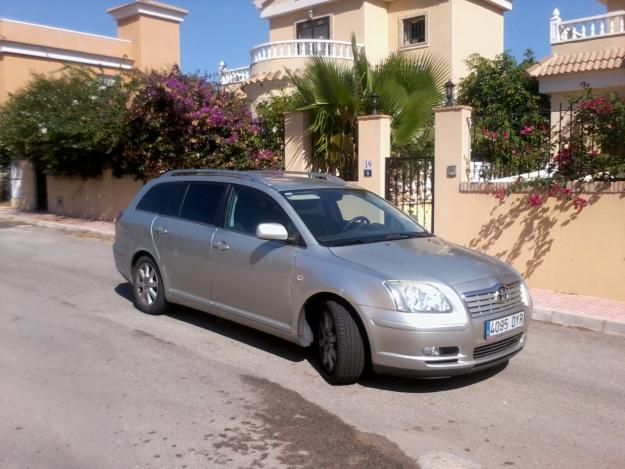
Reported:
(502, 325)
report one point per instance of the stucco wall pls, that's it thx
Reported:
(294, 63)
(99, 198)
(60, 39)
(438, 26)
(554, 247)
(376, 25)
(487, 39)
(155, 42)
(589, 45)
(346, 17)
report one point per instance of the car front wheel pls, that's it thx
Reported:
(340, 345)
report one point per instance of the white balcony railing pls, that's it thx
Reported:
(302, 48)
(610, 24)
(229, 76)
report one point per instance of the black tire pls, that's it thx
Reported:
(349, 362)
(148, 295)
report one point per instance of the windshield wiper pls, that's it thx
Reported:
(345, 242)
(396, 236)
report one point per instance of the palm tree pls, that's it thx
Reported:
(335, 94)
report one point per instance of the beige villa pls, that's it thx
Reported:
(300, 29)
(148, 37)
(587, 50)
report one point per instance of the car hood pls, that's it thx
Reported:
(423, 259)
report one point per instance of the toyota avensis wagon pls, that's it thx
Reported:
(308, 258)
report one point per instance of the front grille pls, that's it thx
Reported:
(484, 302)
(496, 347)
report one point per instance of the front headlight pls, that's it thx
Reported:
(417, 297)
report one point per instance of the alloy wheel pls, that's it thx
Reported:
(327, 341)
(146, 283)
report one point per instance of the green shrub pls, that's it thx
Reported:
(66, 123)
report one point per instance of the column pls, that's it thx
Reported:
(374, 146)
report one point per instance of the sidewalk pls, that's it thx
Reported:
(596, 314)
(101, 229)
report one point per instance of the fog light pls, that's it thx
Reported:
(431, 351)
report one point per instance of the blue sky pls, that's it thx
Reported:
(226, 29)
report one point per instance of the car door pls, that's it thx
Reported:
(252, 278)
(188, 241)
(164, 200)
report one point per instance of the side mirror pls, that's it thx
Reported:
(272, 232)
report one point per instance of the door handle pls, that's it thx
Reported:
(221, 246)
(161, 230)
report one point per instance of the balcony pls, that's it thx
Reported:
(233, 75)
(276, 56)
(610, 24)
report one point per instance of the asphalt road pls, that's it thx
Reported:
(86, 381)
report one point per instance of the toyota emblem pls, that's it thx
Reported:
(501, 294)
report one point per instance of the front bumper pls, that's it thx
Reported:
(397, 341)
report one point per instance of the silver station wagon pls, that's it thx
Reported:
(310, 259)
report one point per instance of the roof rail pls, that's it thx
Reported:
(258, 176)
(208, 172)
(304, 174)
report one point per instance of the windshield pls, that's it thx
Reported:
(341, 217)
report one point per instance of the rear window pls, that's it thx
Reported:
(164, 198)
(202, 201)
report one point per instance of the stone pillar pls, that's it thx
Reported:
(297, 143)
(154, 31)
(452, 153)
(374, 146)
(23, 185)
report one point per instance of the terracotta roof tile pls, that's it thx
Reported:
(609, 59)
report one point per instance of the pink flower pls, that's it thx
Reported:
(233, 139)
(535, 200)
(500, 195)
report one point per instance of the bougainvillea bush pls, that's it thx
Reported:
(592, 139)
(587, 144)
(184, 121)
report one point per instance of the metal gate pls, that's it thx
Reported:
(410, 187)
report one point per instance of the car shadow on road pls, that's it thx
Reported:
(252, 337)
(294, 353)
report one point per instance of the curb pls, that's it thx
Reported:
(60, 226)
(604, 326)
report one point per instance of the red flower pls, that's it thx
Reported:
(535, 200)
(500, 195)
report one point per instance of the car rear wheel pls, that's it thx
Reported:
(340, 345)
(148, 292)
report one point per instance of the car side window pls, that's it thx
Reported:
(250, 207)
(202, 202)
(164, 198)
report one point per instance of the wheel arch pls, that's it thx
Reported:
(311, 308)
(139, 254)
